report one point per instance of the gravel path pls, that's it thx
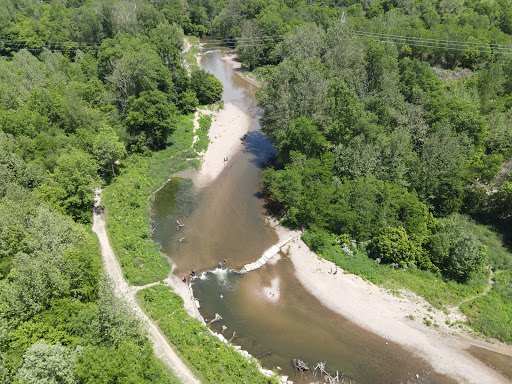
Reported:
(127, 292)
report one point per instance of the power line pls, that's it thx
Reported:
(380, 37)
(50, 42)
(432, 40)
(453, 45)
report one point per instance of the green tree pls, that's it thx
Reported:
(48, 364)
(108, 149)
(300, 136)
(153, 115)
(76, 174)
(466, 256)
(168, 39)
(393, 245)
(132, 66)
(250, 54)
(206, 86)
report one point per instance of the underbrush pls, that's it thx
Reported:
(128, 201)
(489, 314)
(190, 55)
(217, 362)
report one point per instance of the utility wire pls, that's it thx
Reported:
(432, 40)
(50, 42)
(380, 37)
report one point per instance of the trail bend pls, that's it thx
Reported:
(127, 292)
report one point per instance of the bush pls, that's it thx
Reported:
(393, 245)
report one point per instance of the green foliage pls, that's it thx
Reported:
(65, 118)
(206, 86)
(393, 245)
(466, 254)
(491, 314)
(76, 173)
(354, 259)
(205, 122)
(108, 149)
(46, 364)
(152, 117)
(132, 66)
(300, 136)
(128, 219)
(216, 361)
(128, 363)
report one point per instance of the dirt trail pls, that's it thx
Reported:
(127, 292)
(490, 283)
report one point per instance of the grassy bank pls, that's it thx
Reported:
(205, 122)
(492, 314)
(129, 211)
(489, 314)
(217, 362)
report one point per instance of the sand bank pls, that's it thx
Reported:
(232, 60)
(229, 125)
(398, 318)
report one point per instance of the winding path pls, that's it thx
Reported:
(486, 290)
(126, 292)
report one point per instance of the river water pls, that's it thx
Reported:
(268, 308)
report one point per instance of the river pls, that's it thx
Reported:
(268, 308)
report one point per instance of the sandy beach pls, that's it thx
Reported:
(396, 318)
(228, 127)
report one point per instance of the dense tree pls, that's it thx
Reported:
(206, 86)
(152, 115)
(47, 364)
(392, 245)
(107, 149)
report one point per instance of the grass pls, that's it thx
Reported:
(434, 289)
(205, 122)
(190, 55)
(216, 361)
(128, 200)
(490, 314)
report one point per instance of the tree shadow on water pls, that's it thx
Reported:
(258, 145)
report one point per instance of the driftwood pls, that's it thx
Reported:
(216, 318)
(301, 366)
(179, 225)
(265, 354)
(330, 378)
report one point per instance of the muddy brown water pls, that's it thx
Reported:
(226, 221)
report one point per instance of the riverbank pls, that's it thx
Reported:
(126, 292)
(229, 125)
(399, 318)
(232, 60)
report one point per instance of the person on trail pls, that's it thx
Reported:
(193, 273)
(184, 278)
